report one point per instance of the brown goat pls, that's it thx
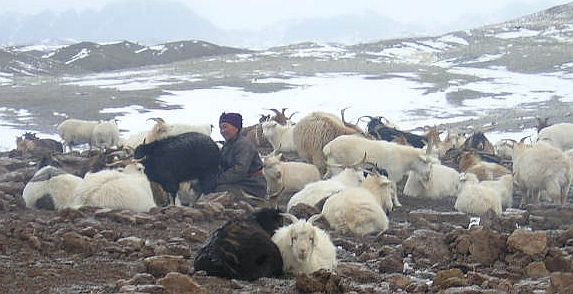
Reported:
(471, 163)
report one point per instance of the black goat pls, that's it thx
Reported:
(380, 131)
(181, 158)
(242, 248)
(478, 141)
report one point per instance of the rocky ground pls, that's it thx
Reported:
(428, 248)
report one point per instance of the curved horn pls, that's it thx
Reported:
(522, 140)
(289, 216)
(313, 218)
(292, 114)
(157, 119)
(342, 113)
(276, 194)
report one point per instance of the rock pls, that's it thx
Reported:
(357, 272)
(391, 264)
(561, 283)
(449, 278)
(13, 188)
(151, 289)
(398, 281)
(159, 266)
(464, 290)
(536, 270)
(195, 234)
(428, 244)
(557, 260)
(432, 216)
(75, 242)
(138, 279)
(320, 281)
(133, 243)
(179, 283)
(485, 245)
(549, 216)
(528, 242)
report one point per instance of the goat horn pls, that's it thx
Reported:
(289, 216)
(292, 114)
(313, 218)
(156, 119)
(276, 194)
(522, 140)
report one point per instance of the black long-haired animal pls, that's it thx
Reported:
(378, 129)
(242, 248)
(181, 158)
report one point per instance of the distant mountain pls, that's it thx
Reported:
(536, 43)
(150, 22)
(94, 57)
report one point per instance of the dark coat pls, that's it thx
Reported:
(241, 167)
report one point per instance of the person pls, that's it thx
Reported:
(241, 168)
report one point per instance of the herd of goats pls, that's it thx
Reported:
(349, 174)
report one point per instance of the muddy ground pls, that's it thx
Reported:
(428, 249)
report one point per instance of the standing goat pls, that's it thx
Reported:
(313, 132)
(181, 158)
(396, 159)
(305, 248)
(541, 168)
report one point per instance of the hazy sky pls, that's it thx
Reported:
(253, 14)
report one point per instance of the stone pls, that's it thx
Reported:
(485, 245)
(532, 243)
(180, 283)
(561, 282)
(133, 243)
(159, 266)
(432, 216)
(151, 289)
(550, 216)
(428, 244)
(391, 264)
(449, 278)
(75, 242)
(398, 281)
(536, 270)
(357, 272)
(320, 281)
(557, 260)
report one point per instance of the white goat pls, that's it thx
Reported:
(443, 182)
(126, 188)
(474, 198)
(133, 140)
(304, 247)
(541, 168)
(287, 176)
(558, 135)
(50, 188)
(504, 148)
(361, 210)
(315, 192)
(76, 131)
(162, 130)
(503, 186)
(396, 159)
(280, 137)
(105, 135)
